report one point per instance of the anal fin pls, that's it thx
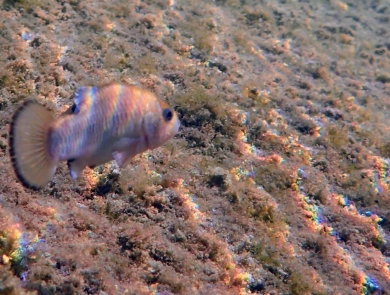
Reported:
(76, 167)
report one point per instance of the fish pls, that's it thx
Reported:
(114, 121)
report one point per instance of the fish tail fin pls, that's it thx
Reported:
(29, 148)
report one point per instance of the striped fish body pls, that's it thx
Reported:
(114, 121)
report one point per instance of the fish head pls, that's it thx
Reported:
(161, 125)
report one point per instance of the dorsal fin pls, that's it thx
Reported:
(82, 96)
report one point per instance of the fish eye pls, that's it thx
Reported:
(167, 114)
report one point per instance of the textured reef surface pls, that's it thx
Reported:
(277, 183)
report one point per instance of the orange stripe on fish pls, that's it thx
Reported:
(109, 122)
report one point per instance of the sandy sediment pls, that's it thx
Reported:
(278, 182)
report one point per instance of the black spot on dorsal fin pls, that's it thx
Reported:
(82, 94)
(75, 109)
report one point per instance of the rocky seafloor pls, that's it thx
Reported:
(277, 183)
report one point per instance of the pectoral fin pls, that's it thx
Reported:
(76, 167)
